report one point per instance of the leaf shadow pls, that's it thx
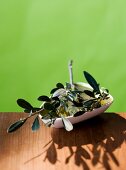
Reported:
(105, 133)
(93, 140)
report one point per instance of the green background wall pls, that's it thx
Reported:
(38, 37)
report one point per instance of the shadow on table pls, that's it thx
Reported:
(105, 133)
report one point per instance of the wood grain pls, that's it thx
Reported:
(98, 143)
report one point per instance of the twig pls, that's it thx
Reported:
(70, 72)
(34, 113)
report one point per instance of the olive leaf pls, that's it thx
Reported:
(24, 104)
(93, 83)
(89, 93)
(55, 98)
(35, 125)
(88, 103)
(77, 104)
(59, 85)
(67, 124)
(16, 125)
(79, 113)
(107, 90)
(59, 92)
(48, 106)
(53, 90)
(43, 98)
(27, 111)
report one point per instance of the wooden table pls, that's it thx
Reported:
(98, 143)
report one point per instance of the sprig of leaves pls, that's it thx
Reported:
(64, 101)
(28, 108)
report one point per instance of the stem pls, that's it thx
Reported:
(70, 72)
(34, 113)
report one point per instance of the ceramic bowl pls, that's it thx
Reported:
(87, 115)
(84, 86)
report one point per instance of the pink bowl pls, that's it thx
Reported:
(87, 115)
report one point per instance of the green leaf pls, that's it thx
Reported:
(105, 90)
(59, 92)
(93, 83)
(43, 98)
(67, 124)
(88, 103)
(27, 111)
(77, 104)
(59, 85)
(55, 98)
(53, 90)
(15, 125)
(48, 106)
(77, 91)
(24, 104)
(35, 125)
(89, 93)
(79, 113)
